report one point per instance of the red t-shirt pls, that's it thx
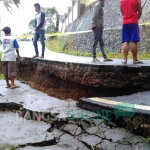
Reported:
(130, 11)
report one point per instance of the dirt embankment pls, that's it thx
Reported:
(69, 80)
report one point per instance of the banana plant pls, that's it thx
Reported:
(8, 4)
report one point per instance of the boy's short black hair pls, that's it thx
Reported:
(37, 5)
(7, 30)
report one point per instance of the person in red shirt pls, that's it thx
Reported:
(131, 12)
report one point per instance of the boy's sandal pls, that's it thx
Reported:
(14, 87)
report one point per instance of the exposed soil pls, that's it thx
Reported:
(74, 81)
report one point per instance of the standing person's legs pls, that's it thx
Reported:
(5, 73)
(135, 37)
(101, 44)
(9, 70)
(12, 73)
(96, 34)
(41, 34)
(134, 51)
(125, 52)
(125, 40)
(35, 40)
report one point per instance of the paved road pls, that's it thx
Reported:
(40, 135)
(27, 50)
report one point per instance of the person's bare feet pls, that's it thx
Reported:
(137, 62)
(14, 86)
(124, 62)
(35, 56)
(8, 86)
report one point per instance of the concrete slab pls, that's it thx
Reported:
(34, 135)
(140, 101)
(15, 132)
(36, 101)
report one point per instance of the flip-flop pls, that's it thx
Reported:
(8, 86)
(138, 62)
(14, 87)
(108, 59)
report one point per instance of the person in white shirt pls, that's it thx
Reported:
(10, 45)
(39, 30)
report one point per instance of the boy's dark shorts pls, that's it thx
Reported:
(130, 33)
(9, 68)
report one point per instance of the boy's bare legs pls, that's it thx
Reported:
(7, 82)
(12, 81)
(125, 51)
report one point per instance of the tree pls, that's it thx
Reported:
(8, 3)
(31, 24)
(52, 20)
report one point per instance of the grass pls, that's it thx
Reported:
(8, 147)
(58, 47)
(0, 55)
(1, 76)
(146, 140)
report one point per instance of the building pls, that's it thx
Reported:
(74, 12)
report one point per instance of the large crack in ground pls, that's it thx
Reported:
(34, 121)
(74, 80)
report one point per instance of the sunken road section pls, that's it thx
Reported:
(132, 112)
(75, 80)
(32, 120)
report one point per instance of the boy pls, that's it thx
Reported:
(9, 58)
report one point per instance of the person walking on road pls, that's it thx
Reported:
(131, 12)
(39, 30)
(97, 27)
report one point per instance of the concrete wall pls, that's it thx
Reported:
(75, 11)
(70, 15)
(112, 38)
(112, 16)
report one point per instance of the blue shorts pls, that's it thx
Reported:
(130, 33)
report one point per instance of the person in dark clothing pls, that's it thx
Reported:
(39, 30)
(97, 27)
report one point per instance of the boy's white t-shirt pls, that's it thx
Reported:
(9, 44)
